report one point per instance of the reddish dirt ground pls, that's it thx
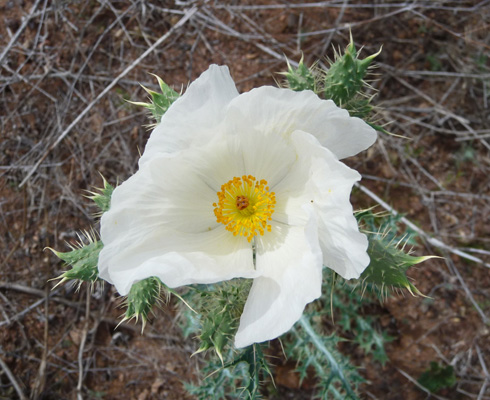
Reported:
(57, 57)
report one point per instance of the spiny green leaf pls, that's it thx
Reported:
(219, 308)
(370, 340)
(217, 330)
(438, 377)
(322, 353)
(349, 315)
(257, 364)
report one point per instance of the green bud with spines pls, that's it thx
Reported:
(389, 259)
(82, 259)
(141, 298)
(360, 107)
(159, 102)
(389, 264)
(300, 78)
(102, 196)
(345, 77)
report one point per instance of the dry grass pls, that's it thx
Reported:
(66, 69)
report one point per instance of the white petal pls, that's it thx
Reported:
(344, 247)
(283, 111)
(194, 116)
(176, 258)
(242, 150)
(261, 153)
(161, 223)
(165, 192)
(289, 262)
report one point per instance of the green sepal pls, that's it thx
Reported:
(159, 102)
(300, 78)
(83, 261)
(345, 77)
(381, 129)
(140, 300)
(102, 196)
(389, 265)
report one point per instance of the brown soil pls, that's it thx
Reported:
(433, 81)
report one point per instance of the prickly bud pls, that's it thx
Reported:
(300, 78)
(345, 78)
(360, 107)
(142, 296)
(102, 196)
(83, 261)
(159, 102)
(388, 265)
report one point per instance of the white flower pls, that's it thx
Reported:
(225, 173)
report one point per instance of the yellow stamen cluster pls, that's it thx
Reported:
(245, 205)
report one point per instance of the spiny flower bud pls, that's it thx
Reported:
(388, 265)
(142, 296)
(159, 102)
(345, 78)
(82, 259)
(102, 196)
(301, 78)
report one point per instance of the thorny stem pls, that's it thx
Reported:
(82, 346)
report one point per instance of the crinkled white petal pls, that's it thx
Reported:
(161, 223)
(176, 258)
(328, 190)
(289, 262)
(193, 118)
(283, 111)
(162, 216)
(237, 151)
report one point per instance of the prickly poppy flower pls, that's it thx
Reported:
(247, 186)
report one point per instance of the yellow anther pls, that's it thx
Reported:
(244, 206)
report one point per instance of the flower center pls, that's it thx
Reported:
(244, 206)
